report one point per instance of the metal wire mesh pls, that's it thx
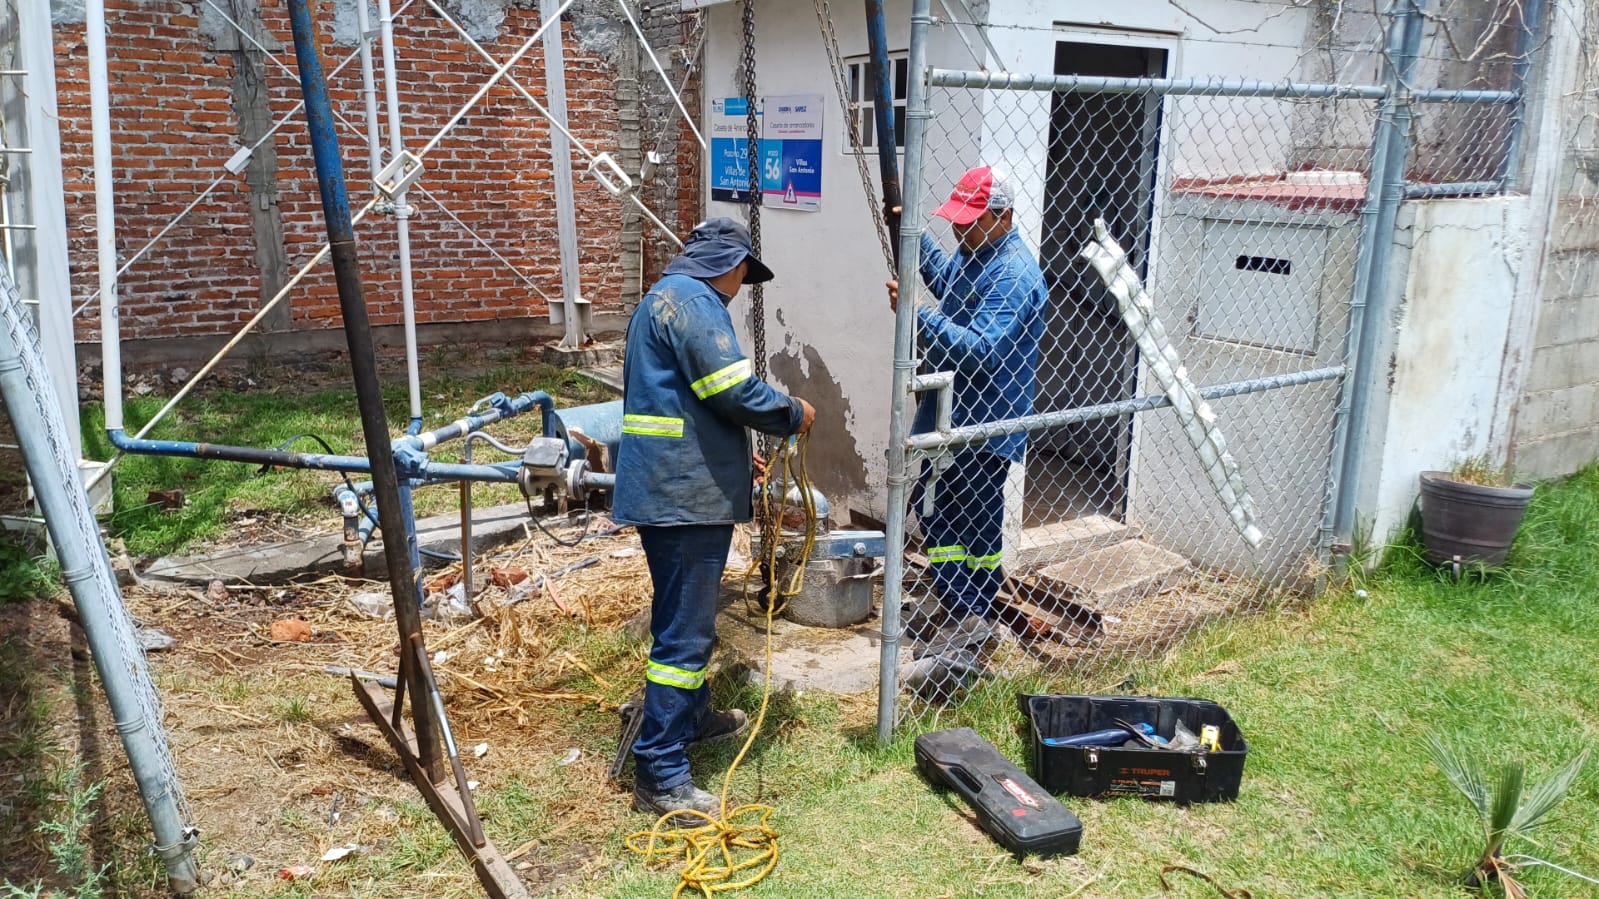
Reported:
(126, 673)
(1240, 218)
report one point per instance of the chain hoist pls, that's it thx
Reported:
(752, 127)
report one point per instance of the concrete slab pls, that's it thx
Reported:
(834, 660)
(285, 560)
(591, 355)
(1047, 544)
(609, 375)
(1116, 575)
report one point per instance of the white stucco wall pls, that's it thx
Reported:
(830, 332)
(1458, 262)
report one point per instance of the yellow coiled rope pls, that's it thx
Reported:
(738, 847)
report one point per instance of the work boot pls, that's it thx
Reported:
(953, 660)
(682, 798)
(971, 633)
(940, 678)
(718, 726)
(922, 619)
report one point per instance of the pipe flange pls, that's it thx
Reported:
(575, 473)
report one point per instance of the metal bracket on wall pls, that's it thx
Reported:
(401, 172)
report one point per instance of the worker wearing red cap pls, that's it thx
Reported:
(981, 317)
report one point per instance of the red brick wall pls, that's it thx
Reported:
(174, 126)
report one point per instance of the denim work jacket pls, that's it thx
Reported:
(688, 395)
(986, 330)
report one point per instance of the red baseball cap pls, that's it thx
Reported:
(979, 190)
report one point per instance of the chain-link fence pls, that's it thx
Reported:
(30, 399)
(1162, 352)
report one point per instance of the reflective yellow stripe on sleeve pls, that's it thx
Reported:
(668, 676)
(652, 425)
(938, 554)
(723, 378)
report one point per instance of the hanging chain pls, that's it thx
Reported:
(752, 124)
(824, 17)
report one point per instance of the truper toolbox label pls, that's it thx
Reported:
(1132, 781)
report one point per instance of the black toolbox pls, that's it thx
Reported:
(1181, 776)
(1013, 809)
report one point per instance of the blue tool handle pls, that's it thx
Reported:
(1114, 736)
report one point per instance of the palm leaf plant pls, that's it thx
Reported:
(1508, 808)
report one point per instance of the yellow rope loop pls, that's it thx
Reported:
(719, 855)
(737, 849)
(785, 471)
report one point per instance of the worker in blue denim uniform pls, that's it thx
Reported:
(684, 475)
(980, 317)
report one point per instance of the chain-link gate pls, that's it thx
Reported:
(1205, 250)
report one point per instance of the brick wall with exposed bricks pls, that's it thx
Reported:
(175, 124)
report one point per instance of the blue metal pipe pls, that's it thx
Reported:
(600, 422)
(413, 553)
(500, 411)
(883, 113)
(415, 427)
(393, 498)
(250, 454)
(323, 461)
(442, 472)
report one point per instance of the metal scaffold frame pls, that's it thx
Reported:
(601, 165)
(405, 466)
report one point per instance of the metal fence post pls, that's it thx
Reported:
(1369, 308)
(1526, 43)
(30, 398)
(917, 115)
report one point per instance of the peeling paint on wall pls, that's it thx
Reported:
(834, 459)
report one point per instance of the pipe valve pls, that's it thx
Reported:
(543, 466)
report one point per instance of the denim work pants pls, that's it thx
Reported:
(686, 564)
(963, 536)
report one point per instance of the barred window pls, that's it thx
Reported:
(862, 107)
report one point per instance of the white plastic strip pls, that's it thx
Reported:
(1193, 411)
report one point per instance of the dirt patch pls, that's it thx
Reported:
(280, 763)
(1148, 626)
(36, 699)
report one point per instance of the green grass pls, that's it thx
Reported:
(25, 572)
(218, 493)
(43, 788)
(295, 710)
(1340, 796)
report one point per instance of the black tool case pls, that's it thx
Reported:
(1183, 777)
(1013, 809)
